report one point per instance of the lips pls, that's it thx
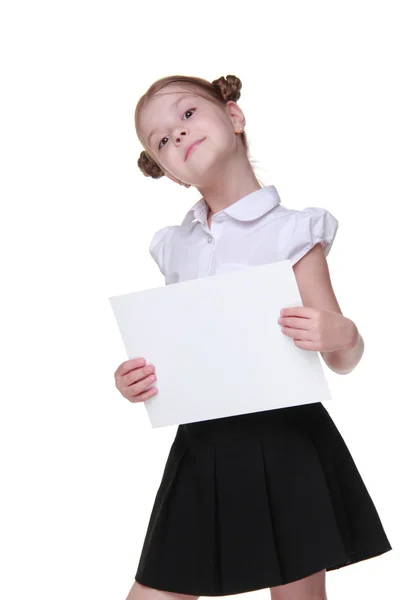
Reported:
(192, 147)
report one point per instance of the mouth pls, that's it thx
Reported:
(193, 147)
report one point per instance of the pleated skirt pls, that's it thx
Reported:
(255, 501)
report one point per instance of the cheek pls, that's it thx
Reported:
(221, 129)
(227, 135)
(226, 141)
(171, 159)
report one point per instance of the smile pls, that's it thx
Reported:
(193, 147)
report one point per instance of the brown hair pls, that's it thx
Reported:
(218, 91)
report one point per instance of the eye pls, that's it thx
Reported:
(191, 110)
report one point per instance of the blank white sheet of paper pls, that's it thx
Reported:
(217, 346)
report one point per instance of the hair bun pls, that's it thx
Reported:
(229, 87)
(148, 166)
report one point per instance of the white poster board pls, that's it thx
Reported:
(217, 346)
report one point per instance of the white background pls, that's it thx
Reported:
(80, 465)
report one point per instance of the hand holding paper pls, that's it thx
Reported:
(315, 329)
(217, 346)
(133, 378)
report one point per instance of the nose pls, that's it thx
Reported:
(179, 133)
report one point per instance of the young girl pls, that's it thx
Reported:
(271, 499)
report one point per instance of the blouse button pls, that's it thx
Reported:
(209, 238)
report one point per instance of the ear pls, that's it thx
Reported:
(172, 178)
(236, 115)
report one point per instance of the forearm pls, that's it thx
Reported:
(343, 361)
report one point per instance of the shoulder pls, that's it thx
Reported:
(302, 229)
(160, 243)
(162, 235)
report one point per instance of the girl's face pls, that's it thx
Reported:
(175, 118)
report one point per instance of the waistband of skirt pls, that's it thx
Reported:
(242, 425)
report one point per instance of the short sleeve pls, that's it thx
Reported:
(305, 229)
(159, 245)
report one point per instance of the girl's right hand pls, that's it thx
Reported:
(133, 377)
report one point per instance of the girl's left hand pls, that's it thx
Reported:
(320, 330)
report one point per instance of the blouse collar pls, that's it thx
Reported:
(252, 206)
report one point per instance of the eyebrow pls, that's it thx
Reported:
(172, 105)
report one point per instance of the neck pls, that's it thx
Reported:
(233, 180)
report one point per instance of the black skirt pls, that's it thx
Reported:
(255, 501)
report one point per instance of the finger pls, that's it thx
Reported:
(306, 312)
(145, 396)
(128, 365)
(299, 334)
(140, 386)
(295, 322)
(136, 375)
(306, 345)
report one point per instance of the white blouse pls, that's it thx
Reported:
(254, 230)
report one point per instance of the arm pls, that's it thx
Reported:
(314, 282)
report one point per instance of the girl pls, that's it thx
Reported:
(271, 499)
